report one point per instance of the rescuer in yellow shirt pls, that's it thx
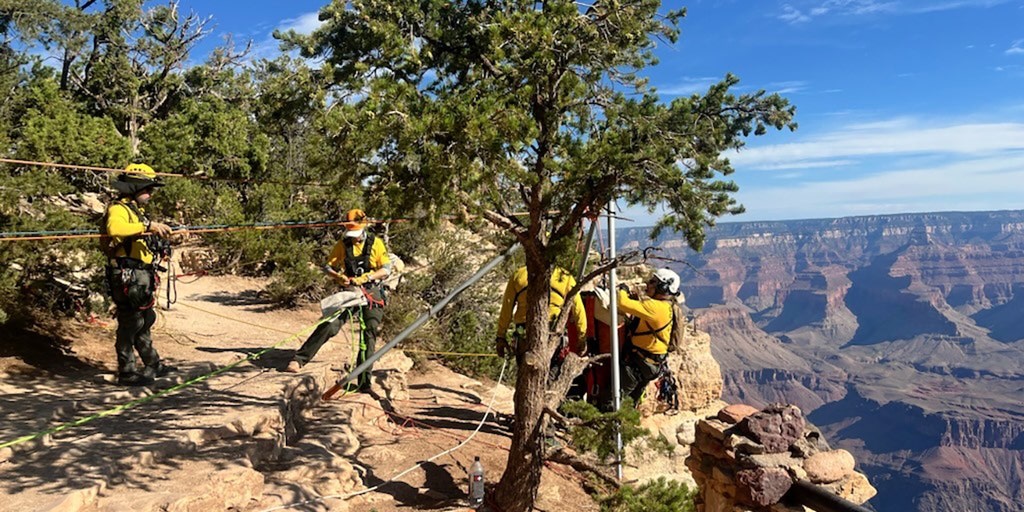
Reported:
(131, 273)
(647, 335)
(513, 307)
(359, 259)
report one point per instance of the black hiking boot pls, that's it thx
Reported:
(133, 379)
(165, 369)
(160, 370)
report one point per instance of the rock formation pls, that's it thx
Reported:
(902, 336)
(747, 460)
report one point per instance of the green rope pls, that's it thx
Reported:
(168, 391)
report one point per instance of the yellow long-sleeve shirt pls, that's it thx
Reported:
(513, 304)
(378, 255)
(655, 320)
(122, 223)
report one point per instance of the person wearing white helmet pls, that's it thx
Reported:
(131, 273)
(648, 333)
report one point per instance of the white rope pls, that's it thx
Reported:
(490, 406)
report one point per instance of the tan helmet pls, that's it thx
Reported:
(355, 223)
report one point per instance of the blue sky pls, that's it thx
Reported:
(903, 105)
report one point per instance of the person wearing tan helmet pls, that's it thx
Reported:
(131, 273)
(359, 259)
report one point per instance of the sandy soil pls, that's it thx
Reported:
(249, 438)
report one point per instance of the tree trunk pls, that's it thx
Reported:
(133, 134)
(518, 487)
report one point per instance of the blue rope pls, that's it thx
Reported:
(8, 234)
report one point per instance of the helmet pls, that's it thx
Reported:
(665, 281)
(140, 171)
(136, 178)
(355, 223)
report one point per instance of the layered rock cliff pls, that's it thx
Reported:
(902, 336)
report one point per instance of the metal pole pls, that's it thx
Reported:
(434, 310)
(586, 251)
(613, 309)
(820, 499)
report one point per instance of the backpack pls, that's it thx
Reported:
(677, 338)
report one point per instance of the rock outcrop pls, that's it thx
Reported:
(749, 465)
(900, 335)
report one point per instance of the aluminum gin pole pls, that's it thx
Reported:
(434, 310)
(586, 251)
(613, 308)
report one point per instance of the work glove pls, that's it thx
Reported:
(159, 229)
(360, 280)
(502, 346)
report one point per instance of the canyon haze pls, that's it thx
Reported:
(901, 336)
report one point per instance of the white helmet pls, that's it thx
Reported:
(666, 281)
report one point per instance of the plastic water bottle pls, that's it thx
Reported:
(476, 483)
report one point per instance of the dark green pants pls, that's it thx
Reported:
(372, 316)
(133, 335)
(635, 373)
(132, 290)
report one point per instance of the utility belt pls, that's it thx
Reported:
(519, 333)
(648, 365)
(647, 356)
(132, 284)
(130, 263)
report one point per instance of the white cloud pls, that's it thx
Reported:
(793, 15)
(688, 86)
(971, 184)
(931, 6)
(787, 87)
(810, 164)
(1016, 48)
(819, 9)
(305, 23)
(266, 47)
(902, 136)
(808, 10)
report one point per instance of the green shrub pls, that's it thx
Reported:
(659, 495)
(596, 431)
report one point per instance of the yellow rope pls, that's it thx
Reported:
(226, 317)
(463, 354)
(412, 350)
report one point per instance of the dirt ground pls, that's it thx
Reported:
(249, 438)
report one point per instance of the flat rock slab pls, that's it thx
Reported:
(162, 452)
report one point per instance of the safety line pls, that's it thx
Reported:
(168, 391)
(233, 319)
(157, 173)
(226, 317)
(490, 406)
(461, 354)
(94, 233)
(213, 228)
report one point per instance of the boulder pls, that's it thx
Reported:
(735, 412)
(828, 467)
(763, 486)
(776, 427)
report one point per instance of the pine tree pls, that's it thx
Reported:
(498, 106)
